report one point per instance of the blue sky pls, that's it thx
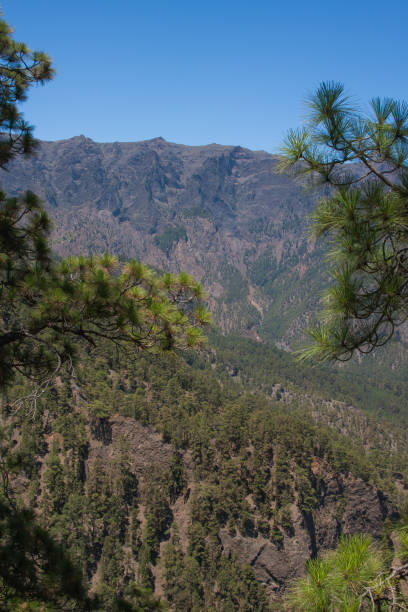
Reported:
(232, 72)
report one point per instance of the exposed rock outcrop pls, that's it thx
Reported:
(346, 504)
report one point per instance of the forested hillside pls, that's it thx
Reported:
(178, 474)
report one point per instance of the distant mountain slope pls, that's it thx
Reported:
(219, 212)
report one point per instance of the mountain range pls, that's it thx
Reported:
(199, 473)
(221, 213)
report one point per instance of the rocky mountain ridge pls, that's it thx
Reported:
(219, 212)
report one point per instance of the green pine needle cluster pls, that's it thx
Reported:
(364, 161)
(48, 306)
(338, 581)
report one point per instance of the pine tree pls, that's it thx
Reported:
(363, 159)
(47, 308)
(49, 311)
(355, 577)
(20, 68)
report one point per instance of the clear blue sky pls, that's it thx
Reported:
(196, 72)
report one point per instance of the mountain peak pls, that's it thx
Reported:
(157, 139)
(81, 138)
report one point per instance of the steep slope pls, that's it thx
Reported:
(177, 476)
(218, 212)
(221, 213)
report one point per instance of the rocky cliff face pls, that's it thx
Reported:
(346, 504)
